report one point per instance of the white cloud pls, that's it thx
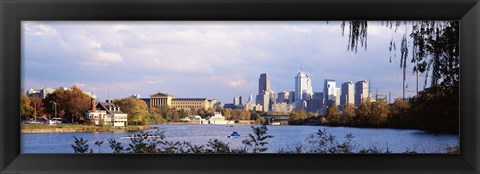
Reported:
(297, 29)
(38, 29)
(107, 57)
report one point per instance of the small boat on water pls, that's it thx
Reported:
(234, 135)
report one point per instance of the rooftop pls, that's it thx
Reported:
(160, 94)
(203, 99)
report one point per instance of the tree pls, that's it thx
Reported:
(154, 116)
(297, 117)
(258, 140)
(434, 47)
(115, 146)
(81, 146)
(37, 104)
(99, 145)
(363, 112)
(61, 114)
(379, 113)
(260, 120)
(348, 114)
(240, 114)
(73, 101)
(444, 117)
(175, 115)
(185, 113)
(136, 109)
(399, 114)
(203, 112)
(217, 146)
(227, 113)
(333, 114)
(26, 110)
(254, 116)
(434, 50)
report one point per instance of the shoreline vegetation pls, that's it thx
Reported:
(61, 128)
(156, 143)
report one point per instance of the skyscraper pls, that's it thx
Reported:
(347, 95)
(264, 100)
(361, 91)
(250, 105)
(250, 99)
(337, 96)
(238, 100)
(263, 83)
(330, 91)
(283, 96)
(291, 97)
(303, 87)
(316, 103)
(265, 96)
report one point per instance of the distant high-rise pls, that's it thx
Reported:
(250, 99)
(291, 97)
(347, 95)
(283, 97)
(337, 96)
(316, 103)
(250, 105)
(318, 96)
(238, 100)
(265, 97)
(361, 91)
(303, 87)
(330, 91)
(263, 83)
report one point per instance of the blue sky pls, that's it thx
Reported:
(203, 59)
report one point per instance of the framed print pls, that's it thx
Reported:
(239, 86)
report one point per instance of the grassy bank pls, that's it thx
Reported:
(45, 128)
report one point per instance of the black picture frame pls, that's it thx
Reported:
(14, 11)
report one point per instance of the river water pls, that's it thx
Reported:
(284, 137)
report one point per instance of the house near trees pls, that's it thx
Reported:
(105, 113)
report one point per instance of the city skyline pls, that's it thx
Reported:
(219, 60)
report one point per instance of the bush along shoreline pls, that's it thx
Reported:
(156, 143)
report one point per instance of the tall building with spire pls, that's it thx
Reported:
(250, 105)
(303, 87)
(250, 99)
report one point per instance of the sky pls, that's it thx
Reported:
(204, 59)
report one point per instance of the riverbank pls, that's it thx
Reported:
(59, 128)
(197, 122)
